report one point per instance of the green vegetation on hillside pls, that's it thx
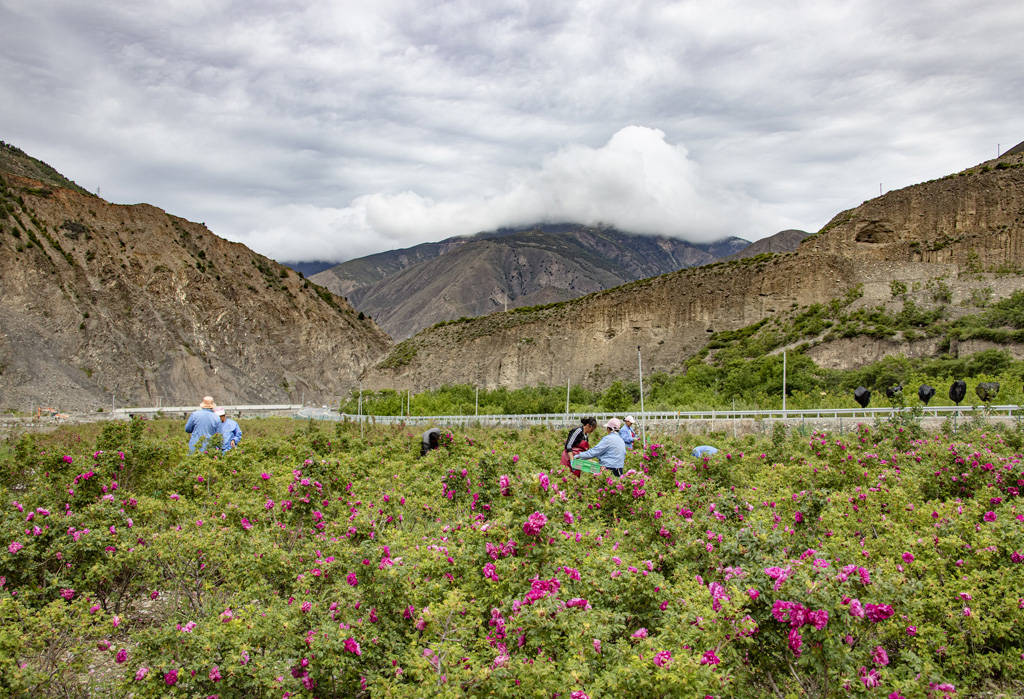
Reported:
(16, 161)
(743, 368)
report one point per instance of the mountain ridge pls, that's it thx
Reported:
(409, 289)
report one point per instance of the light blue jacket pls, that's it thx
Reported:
(610, 451)
(703, 451)
(628, 436)
(231, 432)
(202, 424)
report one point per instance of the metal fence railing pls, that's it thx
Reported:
(663, 417)
(653, 419)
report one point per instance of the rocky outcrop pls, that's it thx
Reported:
(935, 232)
(128, 304)
(783, 241)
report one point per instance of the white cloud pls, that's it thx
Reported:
(303, 127)
(636, 181)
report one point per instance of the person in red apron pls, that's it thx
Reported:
(577, 442)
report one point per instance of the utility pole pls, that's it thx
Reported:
(783, 383)
(567, 383)
(643, 419)
(476, 402)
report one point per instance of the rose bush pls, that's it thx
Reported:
(310, 562)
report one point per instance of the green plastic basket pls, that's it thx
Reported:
(586, 465)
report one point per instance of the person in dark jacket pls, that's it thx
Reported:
(576, 442)
(431, 440)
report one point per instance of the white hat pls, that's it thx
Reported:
(218, 412)
(630, 419)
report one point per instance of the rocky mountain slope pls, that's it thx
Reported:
(130, 304)
(408, 290)
(949, 233)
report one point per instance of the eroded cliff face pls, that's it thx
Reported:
(972, 218)
(962, 224)
(129, 303)
(593, 340)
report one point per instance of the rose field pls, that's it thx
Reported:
(882, 562)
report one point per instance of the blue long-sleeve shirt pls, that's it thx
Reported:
(628, 436)
(610, 451)
(202, 424)
(231, 432)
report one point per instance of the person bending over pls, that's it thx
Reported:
(577, 442)
(611, 450)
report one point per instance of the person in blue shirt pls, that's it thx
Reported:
(611, 450)
(230, 432)
(704, 451)
(627, 433)
(202, 424)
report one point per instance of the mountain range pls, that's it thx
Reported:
(109, 304)
(962, 234)
(413, 288)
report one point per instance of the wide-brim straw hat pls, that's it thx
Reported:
(207, 402)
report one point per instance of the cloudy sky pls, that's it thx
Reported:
(331, 130)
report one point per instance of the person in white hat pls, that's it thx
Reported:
(611, 450)
(230, 432)
(627, 433)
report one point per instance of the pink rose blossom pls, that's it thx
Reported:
(870, 678)
(878, 612)
(709, 658)
(534, 523)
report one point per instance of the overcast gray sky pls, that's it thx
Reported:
(331, 130)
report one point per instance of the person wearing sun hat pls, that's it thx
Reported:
(627, 433)
(202, 424)
(611, 450)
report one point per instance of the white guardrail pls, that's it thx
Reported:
(233, 409)
(668, 417)
(695, 419)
